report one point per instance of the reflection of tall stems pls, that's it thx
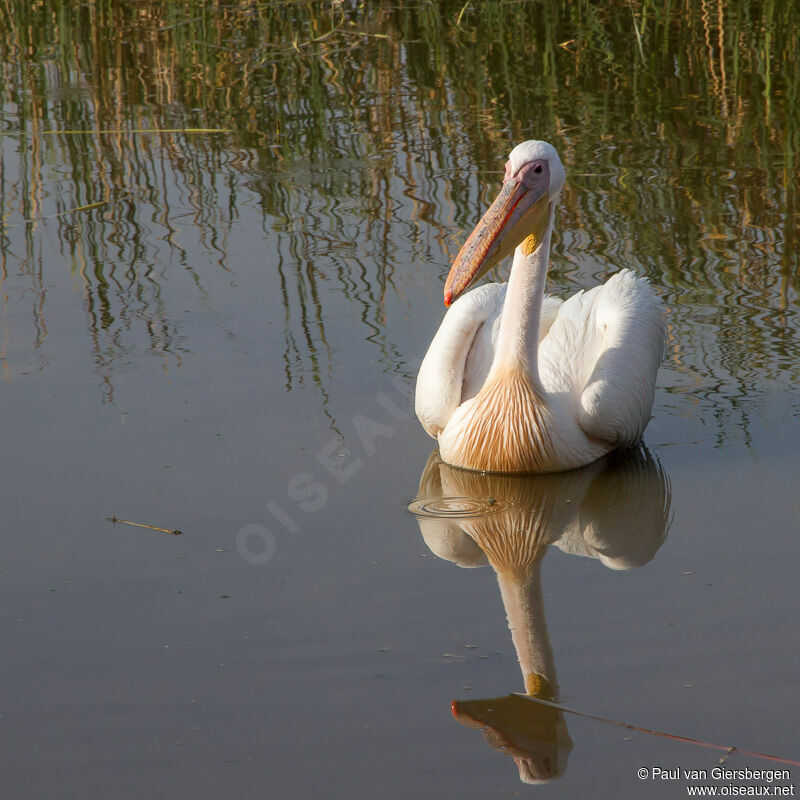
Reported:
(384, 115)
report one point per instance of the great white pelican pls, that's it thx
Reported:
(518, 381)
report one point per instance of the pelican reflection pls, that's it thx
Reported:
(616, 510)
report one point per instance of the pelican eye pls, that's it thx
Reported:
(537, 169)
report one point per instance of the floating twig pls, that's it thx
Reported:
(61, 213)
(727, 749)
(117, 130)
(373, 35)
(115, 520)
(32, 220)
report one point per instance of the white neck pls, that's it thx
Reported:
(518, 337)
(524, 604)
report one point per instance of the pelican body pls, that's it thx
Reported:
(517, 381)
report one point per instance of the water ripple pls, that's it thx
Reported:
(457, 507)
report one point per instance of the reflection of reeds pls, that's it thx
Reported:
(359, 126)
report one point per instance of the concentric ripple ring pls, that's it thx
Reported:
(456, 507)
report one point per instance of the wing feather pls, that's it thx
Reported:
(441, 376)
(617, 396)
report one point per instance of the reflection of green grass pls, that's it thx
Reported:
(677, 139)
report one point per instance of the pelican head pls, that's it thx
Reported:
(520, 214)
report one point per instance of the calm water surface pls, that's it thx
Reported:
(216, 331)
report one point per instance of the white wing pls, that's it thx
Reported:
(461, 353)
(606, 346)
(441, 376)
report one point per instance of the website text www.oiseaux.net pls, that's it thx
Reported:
(724, 782)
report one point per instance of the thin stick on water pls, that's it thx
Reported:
(727, 749)
(116, 130)
(87, 207)
(115, 520)
(62, 213)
